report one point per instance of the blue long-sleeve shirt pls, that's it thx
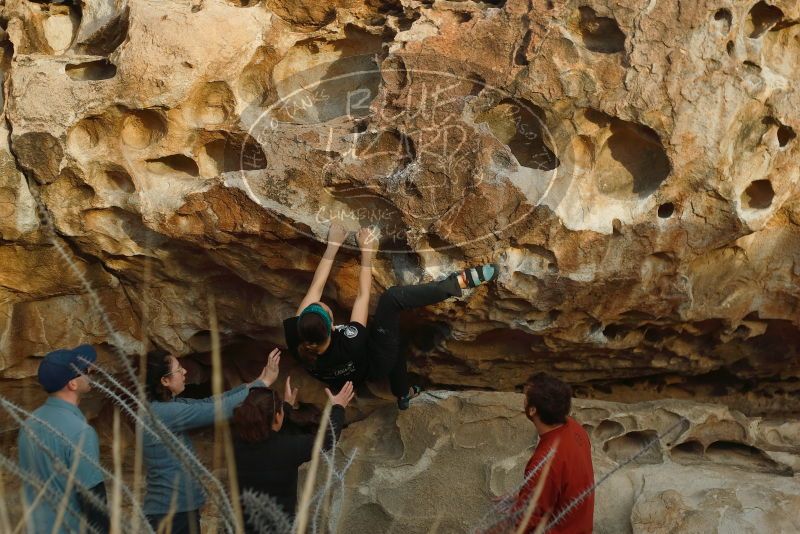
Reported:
(167, 478)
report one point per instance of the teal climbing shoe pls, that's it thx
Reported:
(481, 274)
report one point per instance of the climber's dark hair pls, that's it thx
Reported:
(159, 364)
(312, 329)
(551, 397)
(252, 420)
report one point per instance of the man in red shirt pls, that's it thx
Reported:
(547, 405)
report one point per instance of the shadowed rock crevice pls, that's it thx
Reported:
(86, 135)
(666, 210)
(625, 446)
(520, 58)
(758, 195)
(107, 38)
(615, 331)
(723, 20)
(687, 452)
(773, 132)
(785, 135)
(521, 125)
(234, 152)
(244, 3)
(744, 456)
(175, 164)
(142, 128)
(320, 80)
(600, 34)
(632, 163)
(726, 452)
(751, 67)
(304, 13)
(761, 18)
(119, 178)
(608, 429)
(255, 82)
(39, 153)
(89, 71)
(210, 104)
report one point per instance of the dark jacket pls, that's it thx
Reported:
(270, 466)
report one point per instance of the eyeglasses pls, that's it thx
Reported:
(178, 370)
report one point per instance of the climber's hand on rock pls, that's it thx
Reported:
(336, 235)
(367, 239)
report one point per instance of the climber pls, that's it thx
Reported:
(267, 456)
(547, 405)
(174, 496)
(335, 354)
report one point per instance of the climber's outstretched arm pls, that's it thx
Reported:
(336, 236)
(368, 243)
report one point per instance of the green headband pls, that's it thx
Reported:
(318, 310)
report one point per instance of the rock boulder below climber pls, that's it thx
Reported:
(438, 465)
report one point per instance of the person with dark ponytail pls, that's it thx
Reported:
(173, 495)
(267, 457)
(352, 352)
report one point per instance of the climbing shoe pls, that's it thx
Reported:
(481, 274)
(405, 400)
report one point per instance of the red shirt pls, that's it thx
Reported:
(570, 474)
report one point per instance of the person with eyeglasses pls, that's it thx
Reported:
(268, 456)
(357, 351)
(172, 494)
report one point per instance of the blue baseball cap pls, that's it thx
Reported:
(58, 367)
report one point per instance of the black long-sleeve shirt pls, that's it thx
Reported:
(270, 466)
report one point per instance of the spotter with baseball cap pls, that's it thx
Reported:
(60, 366)
(58, 448)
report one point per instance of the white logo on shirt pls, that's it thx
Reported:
(350, 332)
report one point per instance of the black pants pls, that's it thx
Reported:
(384, 327)
(182, 522)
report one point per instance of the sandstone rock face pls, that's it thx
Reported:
(632, 164)
(439, 464)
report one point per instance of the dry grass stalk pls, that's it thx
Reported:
(138, 454)
(537, 492)
(308, 488)
(326, 497)
(116, 489)
(222, 430)
(62, 507)
(4, 520)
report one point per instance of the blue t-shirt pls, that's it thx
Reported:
(56, 440)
